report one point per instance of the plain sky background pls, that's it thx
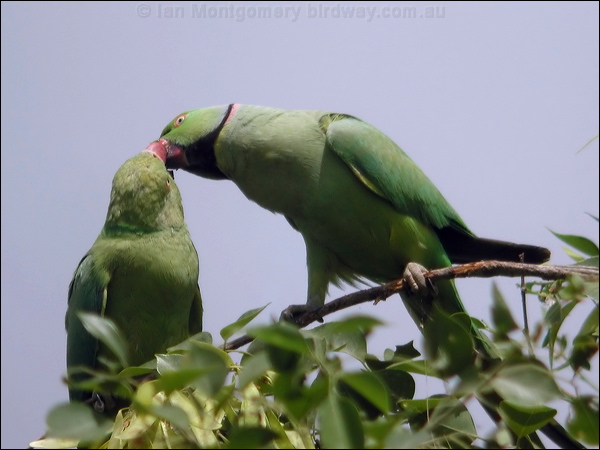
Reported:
(492, 100)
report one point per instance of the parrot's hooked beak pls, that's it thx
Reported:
(158, 149)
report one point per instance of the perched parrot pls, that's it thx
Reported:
(363, 207)
(142, 271)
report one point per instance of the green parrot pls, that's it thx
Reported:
(141, 272)
(363, 207)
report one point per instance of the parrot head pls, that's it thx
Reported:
(144, 195)
(190, 138)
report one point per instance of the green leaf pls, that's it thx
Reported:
(446, 418)
(297, 399)
(370, 387)
(400, 384)
(214, 361)
(347, 336)
(283, 335)
(203, 366)
(448, 344)
(524, 420)
(340, 423)
(203, 336)
(419, 367)
(583, 424)
(406, 351)
(136, 371)
(181, 378)
(77, 421)
(244, 319)
(253, 368)
(555, 316)
(585, 344)
(501, 317)
(172, 414)
(106, 331)
(592, 261)
(525, 384)
(250, 437)
(583, 244)
(419, 406)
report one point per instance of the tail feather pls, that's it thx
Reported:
(464, 248)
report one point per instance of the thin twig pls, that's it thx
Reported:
(481, 269)
(524, 308)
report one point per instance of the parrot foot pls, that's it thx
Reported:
(417, 284)
(293, 312)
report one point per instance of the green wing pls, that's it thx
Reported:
(386, 170)
(87, 292)
(196, 313)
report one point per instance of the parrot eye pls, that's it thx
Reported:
(179, 120)
(168, 183)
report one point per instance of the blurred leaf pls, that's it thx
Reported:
(370, 387)
(419, 406)
(448, 344)
(347, 336)
(203, 336)
(584, 245)
(136, 371)
(583, 424)
(420, 367)
(214, 361)
(283, 335)
(106, 331)
(172, 414)
(585, 344)
(501, 316)
(555, 316)
(253, 368)
(400, 384)
(244, 319)
(250, 437)
(592, 261)
(573, 289)
(77, 421)
(524, 420)
(54, 443)
(179, 379)
(590, 287)
(406, 351)
(525, 384)
(340, 423)
(447, 418)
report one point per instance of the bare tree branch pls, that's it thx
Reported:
(481, 269)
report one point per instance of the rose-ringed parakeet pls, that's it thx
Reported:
(141, 272)
(363, 207)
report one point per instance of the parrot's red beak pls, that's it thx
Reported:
(159, 149)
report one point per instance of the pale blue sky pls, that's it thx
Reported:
(492, 100)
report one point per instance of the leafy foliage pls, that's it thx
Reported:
(292, 389)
